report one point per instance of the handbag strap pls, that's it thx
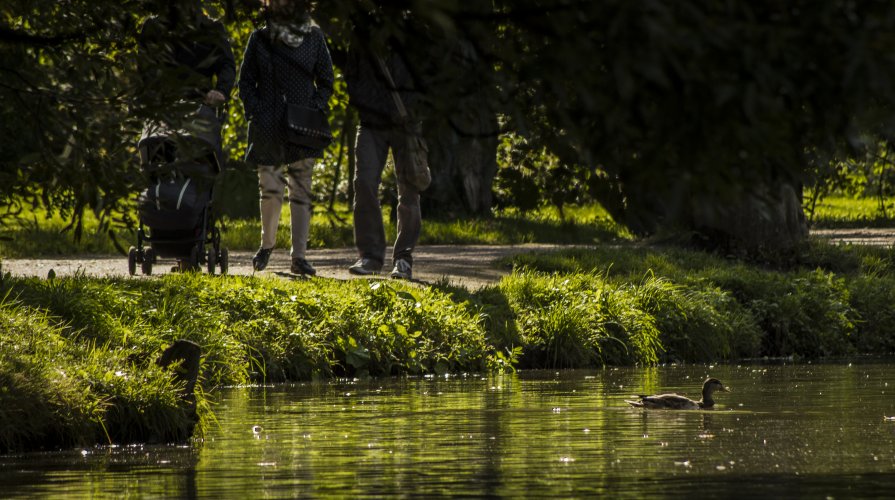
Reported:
(399, 103)
(272, 67)
(271, 48)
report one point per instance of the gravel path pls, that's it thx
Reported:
(859, 236)
(471, 266)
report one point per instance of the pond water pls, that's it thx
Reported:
(795, 431)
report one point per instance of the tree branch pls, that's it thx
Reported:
(10, 35)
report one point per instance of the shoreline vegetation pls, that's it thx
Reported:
(77, 354)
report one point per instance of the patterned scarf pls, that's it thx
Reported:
(289, 33)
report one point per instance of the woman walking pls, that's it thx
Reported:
(286, 63)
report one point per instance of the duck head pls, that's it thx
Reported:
(709, 387)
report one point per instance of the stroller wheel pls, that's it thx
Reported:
(148, 261)
(210, 260)
(194, 258)
(225, 260)
(132, 261)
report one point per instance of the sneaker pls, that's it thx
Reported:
(302, 266)
(260, 260)
(402, 270)
(365, 267)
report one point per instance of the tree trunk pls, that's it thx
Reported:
(768, 219)
(463, 159)
(763, 219)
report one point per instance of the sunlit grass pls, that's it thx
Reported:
(849, 212)
(76, 353)
(830, 302)
(38, 235)
(35, 234)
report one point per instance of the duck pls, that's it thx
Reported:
(678, 402)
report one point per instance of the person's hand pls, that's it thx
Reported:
(214, 98)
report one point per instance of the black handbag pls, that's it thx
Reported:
(307, 127)
(304, 126)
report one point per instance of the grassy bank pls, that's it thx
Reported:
(76, 353)
(834, 301)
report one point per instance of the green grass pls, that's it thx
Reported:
(60, 388)
(76, 353)
(830, 303)
(835, 212)
(38, 235)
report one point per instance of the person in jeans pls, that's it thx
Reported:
(285, 61)
(382, 127)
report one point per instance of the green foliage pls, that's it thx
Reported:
(530, 177)
(269, 329)
(806, 313)
(657, 109)
(69, 73)
(58, 388)
(830, 304)
(569, 321)
(866, 175)
(77, 352)
(579, 319)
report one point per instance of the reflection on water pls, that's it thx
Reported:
(783, 430)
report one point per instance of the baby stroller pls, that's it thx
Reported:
(181, 166)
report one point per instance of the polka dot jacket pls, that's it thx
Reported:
(304, 74)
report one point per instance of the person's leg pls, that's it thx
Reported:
(271, 186)
(299, 175)
(409, 214)
(369, 232)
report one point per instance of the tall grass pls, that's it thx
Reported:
(830, 302)
(76, 353)
(58, 388)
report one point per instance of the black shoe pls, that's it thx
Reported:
(302, 266)
(365, 267)
(260, 260)
(402, 270)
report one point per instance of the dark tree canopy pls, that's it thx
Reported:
(667, 111)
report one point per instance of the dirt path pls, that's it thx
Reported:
(471, 266)
(859, 236)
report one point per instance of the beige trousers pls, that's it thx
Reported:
(272, 183)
